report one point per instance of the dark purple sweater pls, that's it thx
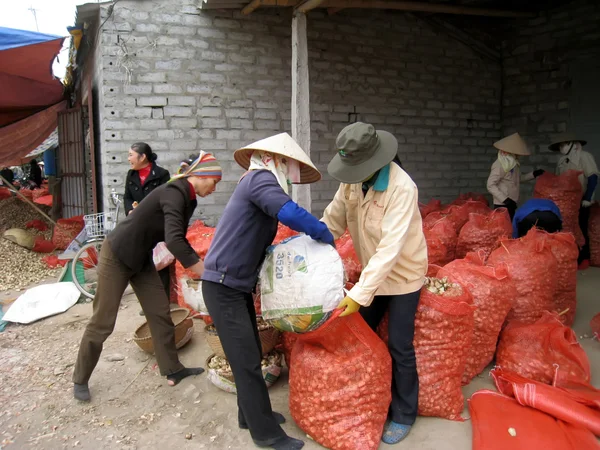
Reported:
(247, 227)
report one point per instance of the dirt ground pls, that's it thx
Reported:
(132, 406)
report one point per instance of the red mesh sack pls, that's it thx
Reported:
(5, 193)
(471, 196)
(288, 342)
(46, 200)
(533, 268)
(595, 325)
(352, 265)
(41, 245)
(566, 252)
(493, 294)
(37, 224)
(443, 336)
(283, 233)
(37, 193)
(542, 351)
(441, 240)
(340, 384)
(66, 230)
(594, 235)
(483, 232)
(432, 206)
(27, 193)
(564, 190)
(560, 403)
(495, 415)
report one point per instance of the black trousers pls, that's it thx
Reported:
(235, 319)
(405, 380)
(584, 219)
(511, 210)
(545, 220)
(165, 278)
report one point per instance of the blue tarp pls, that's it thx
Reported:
(11, 38)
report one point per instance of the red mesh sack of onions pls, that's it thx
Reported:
(340, 384)
(432, 206)
(443, 335)
(458, 214)
(565, 190)
(471, 196)
(288, 340)
(594, 234)
(483, 232)
(352, 265)
(493, 294)
(441, 240)
(533, 269)
(566, 252)
(546, 351)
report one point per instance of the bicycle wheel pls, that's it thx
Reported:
(84, 268)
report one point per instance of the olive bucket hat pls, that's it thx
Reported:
(361, 151)
(562, 138)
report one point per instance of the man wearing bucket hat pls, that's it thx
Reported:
(378, 203)
(247, 227)
(505, 176)
(573, 157)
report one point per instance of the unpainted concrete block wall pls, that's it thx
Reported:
(184, 80)
(539, 56)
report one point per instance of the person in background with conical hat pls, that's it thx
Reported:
(247, 227)
(378, 203)
(505, 176)
(573, 157)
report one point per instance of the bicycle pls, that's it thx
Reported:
(97, 227)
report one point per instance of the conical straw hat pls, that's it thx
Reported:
(280, 144)
(513, 144)
(564, 137)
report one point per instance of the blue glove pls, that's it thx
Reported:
(299, 219)
(591, 187)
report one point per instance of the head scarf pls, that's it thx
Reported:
(286, 170)
(507, 160)
(205, 166)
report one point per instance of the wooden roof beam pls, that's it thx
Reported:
(308, 5)
(436, 8)
(255, 4)
(332, 11)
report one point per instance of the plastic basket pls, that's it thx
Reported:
(98, 225)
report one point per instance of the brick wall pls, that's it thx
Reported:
(539, 56)
(183, 80)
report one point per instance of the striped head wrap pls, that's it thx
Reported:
(205, 166)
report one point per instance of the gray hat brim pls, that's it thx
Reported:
(385, 154)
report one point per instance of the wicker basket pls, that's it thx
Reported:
(184, 330)
(269, 338)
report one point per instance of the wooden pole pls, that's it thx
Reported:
(308, 5)
(300, 100)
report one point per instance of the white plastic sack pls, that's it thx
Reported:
(301, 282)
(43, 301)
(162, 256)
(192, 294)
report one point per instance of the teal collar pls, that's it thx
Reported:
(383, 179)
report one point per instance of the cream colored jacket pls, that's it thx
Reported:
(503, 185)
(580, 161)
(387, 233)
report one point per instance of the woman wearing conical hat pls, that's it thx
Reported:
(247, 227)
(573, 157)
(505, 176)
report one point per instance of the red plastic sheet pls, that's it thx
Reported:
(53, 262)
(484, 232)
(545, 351)
(571, 406)
(493, 294)
(46, 200)
(494, 416)
(564, 190)
(340, 384)
(43, 246)
(39, 225)
(5, 193)
(533, 268)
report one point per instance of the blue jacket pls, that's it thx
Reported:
(535, 204)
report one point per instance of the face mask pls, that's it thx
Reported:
(507, 160)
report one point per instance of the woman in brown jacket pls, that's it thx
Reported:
(126, 257)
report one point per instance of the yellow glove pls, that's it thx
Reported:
(349, 306)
